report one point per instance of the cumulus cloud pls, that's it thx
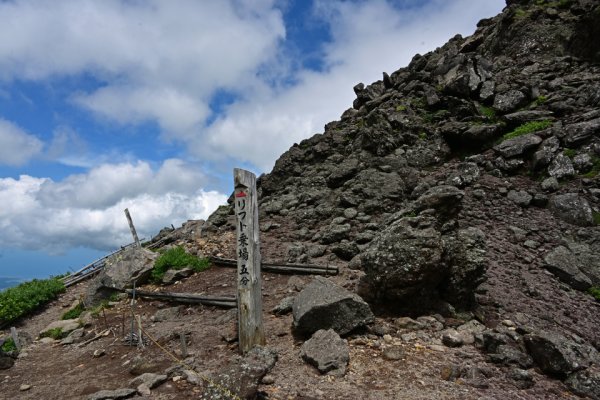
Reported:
(17, 147)
(154, 60)
(87, 210)
(367, 38)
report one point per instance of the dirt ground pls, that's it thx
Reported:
(424, 370)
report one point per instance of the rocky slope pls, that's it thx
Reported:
(477, 162)
(459, 197)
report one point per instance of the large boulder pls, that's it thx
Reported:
(518, 146)
(558, 356)
(404, 260)
(327, 351)
(122, 269)
(579, 268)
(585, 383)
(324, 305)
(572, 208)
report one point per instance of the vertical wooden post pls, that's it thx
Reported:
(133, 232)
(250, 322)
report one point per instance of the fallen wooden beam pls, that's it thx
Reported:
(282, 268)
(225, 302)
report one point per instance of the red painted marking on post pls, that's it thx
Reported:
(240, 194)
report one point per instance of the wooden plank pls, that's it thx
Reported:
(283, 267)
(226, 302)
(136, 240)
(250, 322)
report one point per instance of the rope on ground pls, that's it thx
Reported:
(220, 388)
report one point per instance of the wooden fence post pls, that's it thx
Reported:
(250, 322)
(133, 232)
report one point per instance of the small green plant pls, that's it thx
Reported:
(400, 108)
(54, 333)
(595, 291)
(487, 112)
(25, 298)
(528, 127)
(177, 258)
(595, 168)
(74, 312)
(423, 135)
(596, 217)
(521, 13)
(541, 99)
(570, 153)
(9, 345)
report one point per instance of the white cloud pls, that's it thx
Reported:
(87, 210)
(367, 39)
(17, 147)
(157, 60)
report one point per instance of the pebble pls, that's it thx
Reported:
(24, 387)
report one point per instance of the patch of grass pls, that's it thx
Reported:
(400, 108)
(521, 13)
(595, 168)
(54, 333)
(9, 345)
(528, 127)
(75, 312)
(487, 112)
(541, 99)
(423, 135)
(570, 153)
(177, 258)
(596, 217)
(595, 291)
(21, 300)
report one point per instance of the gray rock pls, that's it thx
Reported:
(550, 184)
(66, 326)
(166, 314)
(508, 354)
(509, 101)
(327, 352)
(243, 377)
(325, 305)
(285, 306)
(120, 272)
(572, 208)
(465, 174)
(174, 275)
(112, 394)
(149, 379)
(408, 323)
(522, 378)
(521, 117)
(567, 267)
(345, 250)
(445, 199)
(6, 361)
(561, 167)
(582, 162)
(518, 146)
(335, 233)
(558, 356)
(452, 338)
(393, 353)
(585, 383)
(520, 198)
(576, 134)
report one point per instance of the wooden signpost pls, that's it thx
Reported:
(250, 323)
(133, 232)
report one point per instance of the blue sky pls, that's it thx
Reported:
(114, 104)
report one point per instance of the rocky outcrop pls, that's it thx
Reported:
(327, 352)
(325, 305)
(133, 264)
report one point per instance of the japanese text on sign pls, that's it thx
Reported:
(243, 255)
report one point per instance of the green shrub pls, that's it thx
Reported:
(595, 291)
(570, 153)
(488, 112)
(540, 100)
(54, 333)
(595, 168)
(596, 217)
(177, 258)
(400, 108)
(21, 300)
(75, 312)
(9, 345)
(528, 127)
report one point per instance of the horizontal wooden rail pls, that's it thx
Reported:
(282, 268)
(226, 302)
